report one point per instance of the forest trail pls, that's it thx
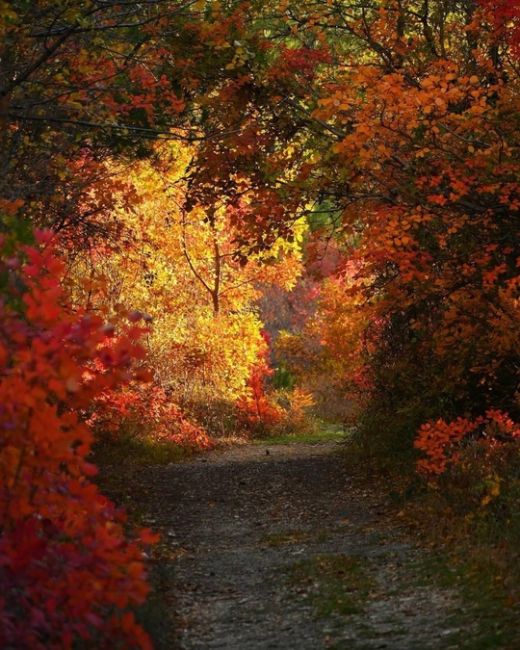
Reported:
(278, 547)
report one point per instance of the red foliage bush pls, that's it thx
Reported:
(67, 572)
(255, 412)
(441, 441)
(151, 409)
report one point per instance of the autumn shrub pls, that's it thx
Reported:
(268, 410)
(442, 442)
(296, 412)
(217, 416)
(470, 497)
(306, 382)
(475, 466)
(68, 575)
(256, 411)
(146, 410)
(483, 483)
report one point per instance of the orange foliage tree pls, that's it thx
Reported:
(422, 178)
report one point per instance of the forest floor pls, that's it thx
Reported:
(280, 546)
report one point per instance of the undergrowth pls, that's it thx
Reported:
(137, 450)
(469, 517)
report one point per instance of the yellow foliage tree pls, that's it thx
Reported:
(184, 269)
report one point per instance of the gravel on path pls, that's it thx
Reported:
(279, 547)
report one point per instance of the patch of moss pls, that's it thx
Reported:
(324, 434)
(333, 584)
(487, 615)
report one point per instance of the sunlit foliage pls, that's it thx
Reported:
(199, 160)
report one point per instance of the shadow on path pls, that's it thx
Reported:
(278, 547)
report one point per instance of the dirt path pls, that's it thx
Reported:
(277, 547)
